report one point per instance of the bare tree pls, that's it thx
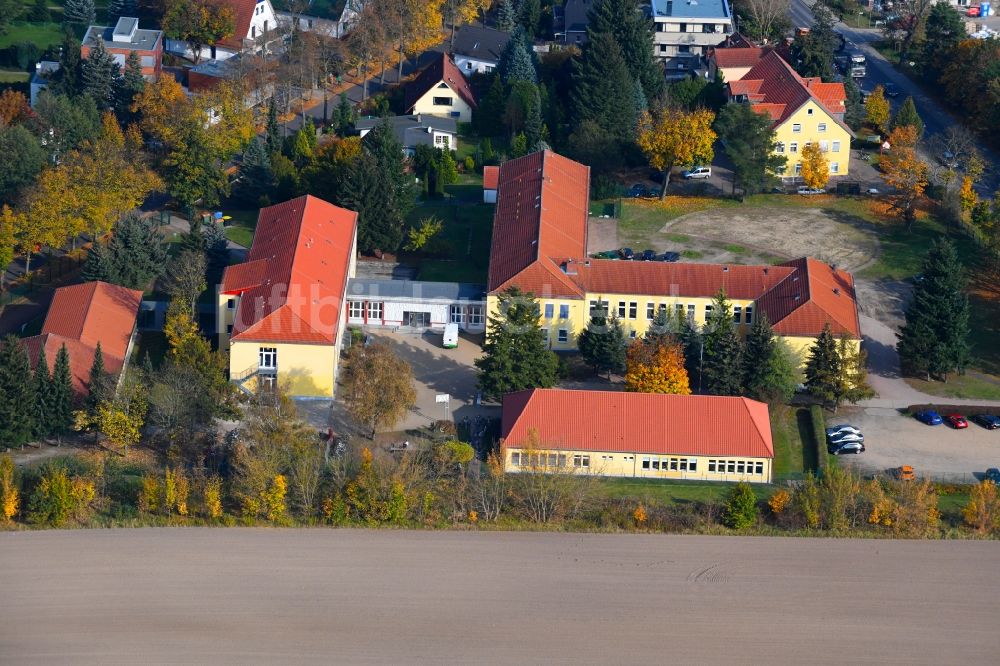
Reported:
(185, 279)
(366, 44)
(766, 14)
(492, 488)
(548, 487)
(378, 386)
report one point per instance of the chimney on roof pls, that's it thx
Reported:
(725, 269)
(836, 290)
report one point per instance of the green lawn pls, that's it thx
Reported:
(790, 427)
(43, 35)
(463, 248)
(671, 491)
(14, 77)
(964, 386)
(241, 226)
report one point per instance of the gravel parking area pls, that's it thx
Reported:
(941, 452)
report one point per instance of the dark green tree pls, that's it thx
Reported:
(81, 12)
(23, 159)
(531, 14)
(130, 84)
(346, 116)
(769, 373)
(67, 80)
(40, 12)
(65, 123)
(741, 507)
(943, 31)
(824, 369)
(722, 360)
(100, 74)
(907, 116)
(194, 170)
(533, 128)
(812, 52)
(750, 142)
(506, 15)
(515, 353)
(601, 81)
(61, 397)
(633, 32)
(100, 384)
(591, 144)
(692, 342)
(516, 62)
(368, 191)
(855, 113)
(664, 328)
(602, 344)
(42, 411)
(120, 8)
(216, 247)
(687, 92)
(934, 340)
(17, 394)
(135, 254)
(272, 132)
(256, 178)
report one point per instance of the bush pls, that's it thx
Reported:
(819, 436)
(741, 507)
(604, 187)
(470, 164)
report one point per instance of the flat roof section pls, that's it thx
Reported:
(697, 9)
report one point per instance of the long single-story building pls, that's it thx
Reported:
(641, 435)
(416, 305)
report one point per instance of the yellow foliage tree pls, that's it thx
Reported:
(982, 513)
(212, 497)
(779, 501)
(657, 370)
(877, 109)
(121, 418)
(161, 103)
(815, 168)
(274, 498)
(10, 497)
(967, 194)
(19, 236)
(673, 137)
(905, 172)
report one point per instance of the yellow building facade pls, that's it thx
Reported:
(812, 123)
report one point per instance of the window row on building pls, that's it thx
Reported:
(630, 310)
(793, 146)
(670, 464)
(736, 466)
(374, 311)
(547, 459)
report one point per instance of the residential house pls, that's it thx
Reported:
(641, 435)
(122, 39)
(40, 79)
(733, 58)
(255, 31)
(441, 90)
(577, 17)
(803, 111)
(491, 175)
(416, 305)
(477, 49)
(417, 130)
(245, 68)
(82, 316)
(684, 31)
(540, 245)
(280, 313)
(333, 20)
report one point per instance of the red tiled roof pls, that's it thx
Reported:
(815, 294)
(441, 69)
(94, 312)
(638, 422)
(491, 174)
(738, 56)
(774, 86)
(81, 357)
(293, 283)
(542, 210)
(242, 16)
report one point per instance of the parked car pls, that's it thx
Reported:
(697, 173)
(626, 253)
(607, 254)
(929, 416)
(636, 190)
(905, 473)
(669, 256)
(832, 431)
(956, 421)
(988, 421)
(647, 255)
(845, 438)
(846, 447)
(993, 474)
(803, 189)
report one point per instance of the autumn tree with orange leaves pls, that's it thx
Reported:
(905, 172)
(676, 137)
(656, 368)
(815, 169)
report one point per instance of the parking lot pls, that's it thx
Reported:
(941, 452)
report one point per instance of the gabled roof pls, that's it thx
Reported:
(815, 294)
(491, 175)
(81, 358)
(652, 423)
(293, 283)
(738, 56)
(442, 69)
(577, 14)
(480, 43)
(777, 89)
(541, 214)
(242, 17)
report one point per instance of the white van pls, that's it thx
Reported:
(450, 339)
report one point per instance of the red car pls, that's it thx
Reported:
(956, 421)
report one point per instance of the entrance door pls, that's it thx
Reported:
(417, 319)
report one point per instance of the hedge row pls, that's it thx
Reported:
(819, 437)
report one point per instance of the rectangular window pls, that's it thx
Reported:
(621, 309)
(598, 307)
(836, 147)
(711, 465)
(553, 460)
(632, 335)
(731, 466)
(581, 461)
(545, 335)
(821, 127)
(793, 147)
(796, 127)
(231, 303)
(563, 335)
(356, 309)
(633, 310)
(650, 310)
(645, 463)
(442, 101)
(798, 168)
(684, 27)
(679, 309)
(691, 311)
(834, 167)
(562, 459)
(708, 311)
(684, 464)
(442, 140)
(229, 329)
(692, 464)
(267, 358)
(564, 312)
(457, 314)
(476, 316)
(515, 458)
(375, 310)
(656, 463)
(758, 468)
(779, 147)
(737, 313)
(748, 315)
(739, 466)
(824, 146)
(673, 464)
(549, 309)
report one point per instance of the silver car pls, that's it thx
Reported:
(845, 438)
(843, 428)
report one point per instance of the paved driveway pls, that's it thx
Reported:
(893, 439)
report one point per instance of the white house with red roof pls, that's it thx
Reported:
(255, 29)
(642, 435)
(441, 90)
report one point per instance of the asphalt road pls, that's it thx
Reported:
(247, 596)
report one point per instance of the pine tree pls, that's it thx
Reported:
(61, 397)
(641, 103)
(43, 397)
(216, 251)
(368, 191)
(130, 84)
(530, 15)
(98, 264)
(79, 11)
(602, 344)
(99, 384)
(750, 142)
(506, 15)
(823, 369)
(515, 355)
(600, 84)
(634, 34)
(100, 75)
(907, 116)
(692, 343)
(346, 116)
(147, 365)
(120, 8)
(272, 134)
(533, 123)
(769, 372)
(934, 340)
(40, 12)
(741, 507)
(68, 76)
(516, 62)
(722, 367)
(256, 177)
(942, 32)
(855, 112)
(17, 394)
(135, 254)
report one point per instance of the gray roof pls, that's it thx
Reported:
(412, 130)
(480, 43)
(576, 14)
(127, 31)
(412, 289)
(697, 9)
